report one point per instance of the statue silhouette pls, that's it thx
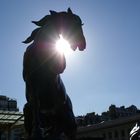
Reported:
(48, 111)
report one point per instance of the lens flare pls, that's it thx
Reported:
(63, 46)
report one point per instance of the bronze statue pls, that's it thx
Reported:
(48, 111)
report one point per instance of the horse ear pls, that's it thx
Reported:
(69, 11)
(53, 12)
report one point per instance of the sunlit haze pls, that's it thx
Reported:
(63, 46)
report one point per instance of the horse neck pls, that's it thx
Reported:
(49, 58)
(48, 34)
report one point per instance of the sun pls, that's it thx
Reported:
(63, 46)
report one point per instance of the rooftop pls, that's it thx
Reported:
(10, 119)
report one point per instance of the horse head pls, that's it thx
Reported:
(67, 24)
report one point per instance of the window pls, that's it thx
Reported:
(122, 133)
(116, 134)
(104, 135)
(110, 135)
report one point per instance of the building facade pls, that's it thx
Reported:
(112, 113)
(118, 129)
(7, 104)
(9, 117)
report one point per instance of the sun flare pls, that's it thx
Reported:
(63, 46)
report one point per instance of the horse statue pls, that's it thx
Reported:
(48, 112)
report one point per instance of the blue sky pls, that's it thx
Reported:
(107, 72)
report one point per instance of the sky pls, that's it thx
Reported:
(107, 72)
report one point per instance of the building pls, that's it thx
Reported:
(11, 125)
(114, 124)
(111, 114)
(117, 129)
(118, 112)
(88, 119)
(7, 104)
(11, 120)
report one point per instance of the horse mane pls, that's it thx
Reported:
(32, 36)
(40, 23)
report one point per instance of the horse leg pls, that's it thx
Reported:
(27, 119)
(66, 117)
(36, 131)
(69, 123)
(71, 127)
(32, 109)
(31, 123)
